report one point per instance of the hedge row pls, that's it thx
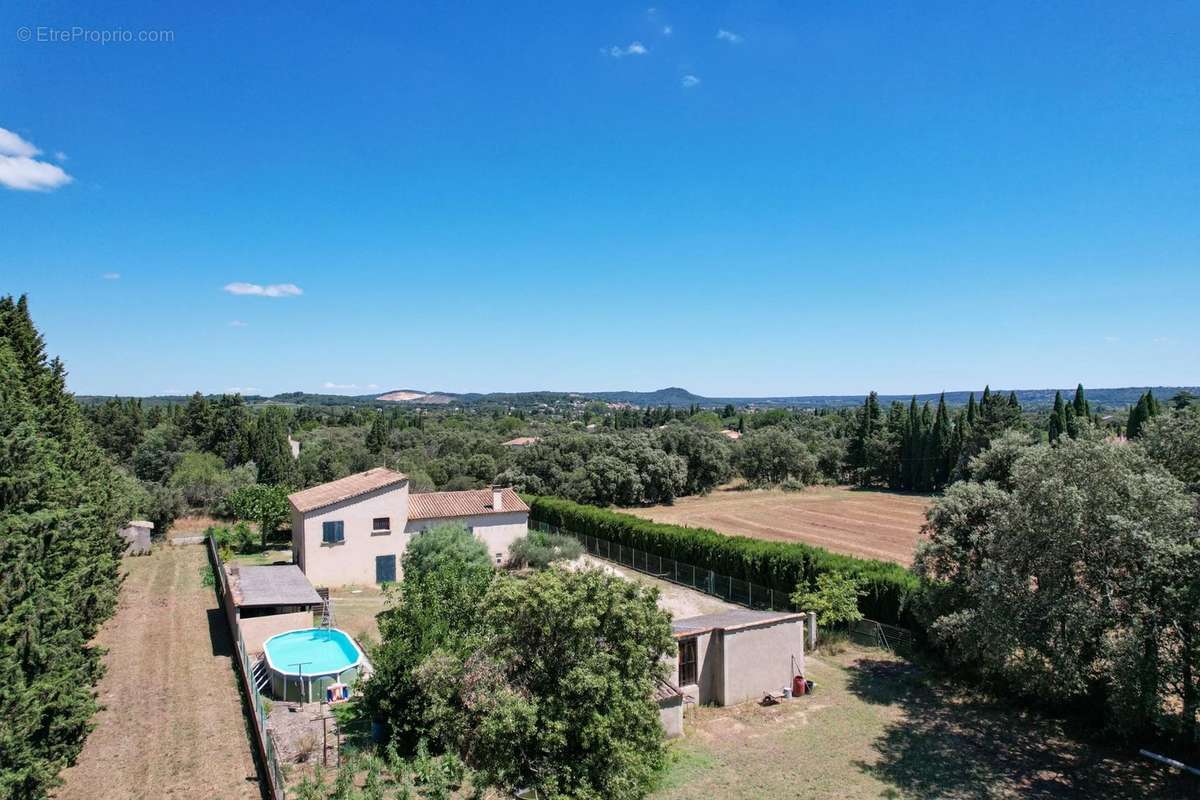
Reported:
(777, 565)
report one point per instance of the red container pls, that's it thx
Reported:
(798, 686)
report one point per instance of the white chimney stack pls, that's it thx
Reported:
(497, 498)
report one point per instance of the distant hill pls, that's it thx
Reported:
(671, 396)
(416, 396)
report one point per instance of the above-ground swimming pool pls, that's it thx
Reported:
(303, 663)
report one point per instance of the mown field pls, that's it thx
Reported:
(172, 724)
(864, 523)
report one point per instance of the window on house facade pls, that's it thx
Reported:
(333, 532)
(380, 524)
(687, 662)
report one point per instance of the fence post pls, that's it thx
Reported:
(812, 630)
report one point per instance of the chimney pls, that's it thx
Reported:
(497, 498)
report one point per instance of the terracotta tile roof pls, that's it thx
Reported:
(728, 434)
(345, 488)
(434, 505)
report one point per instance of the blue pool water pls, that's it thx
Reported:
(322, 651)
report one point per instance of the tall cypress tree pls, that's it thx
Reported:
(1058, 419)
(60, 505)
(972, 410)
(939, 445)
(1082, 407)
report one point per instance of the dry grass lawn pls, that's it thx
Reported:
(864, 523)
(876, 727)
(173, 725)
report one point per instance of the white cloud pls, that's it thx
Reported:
(372, 385)
(1112, 338)
(242, 390)
(258, 290)
(666, 31)
(59, 155)
(729, 36)
(332, 385)
(634, 49)
(237, 323)
(689, 81)
(13, 145)
(111, 276)
(20, 169)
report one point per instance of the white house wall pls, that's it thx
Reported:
(352, 561)
(498, 531)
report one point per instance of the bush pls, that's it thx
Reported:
(442, 543)
(782, 566)
(540, 549)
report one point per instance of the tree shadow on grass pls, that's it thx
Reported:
(952, 743)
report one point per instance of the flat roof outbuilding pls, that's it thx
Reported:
(278, 585)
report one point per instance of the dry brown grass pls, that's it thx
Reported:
(173, 724)
(878, 727)
(868, 524)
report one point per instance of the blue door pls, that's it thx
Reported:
(385, 569)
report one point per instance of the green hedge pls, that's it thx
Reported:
(777, 565)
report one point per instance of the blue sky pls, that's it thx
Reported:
(738, 198)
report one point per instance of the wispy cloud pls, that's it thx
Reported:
(1112, 338)
(666, 30)
(729, 36)
(20, 169)
(259, 290)
(332, 385)
(111, 276)
(689, 81)
(634, 49)
(242, 390)
(237, 323)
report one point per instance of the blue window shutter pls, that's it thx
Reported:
(341, 531)
(332, 532)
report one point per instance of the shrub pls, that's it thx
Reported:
(539, 549)
(781, 566)
(442, 543)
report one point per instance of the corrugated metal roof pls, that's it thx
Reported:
(345, 488)
(278, 585)
(729, 621)
(473, 502)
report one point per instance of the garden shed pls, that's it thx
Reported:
(739, 655)
(136, 534)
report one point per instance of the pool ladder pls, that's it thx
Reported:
(326, 608)
(259, 675)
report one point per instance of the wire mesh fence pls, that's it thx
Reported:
(277, 788)
(878, 634)
(726, 587)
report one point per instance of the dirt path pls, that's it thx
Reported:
(172, 726)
